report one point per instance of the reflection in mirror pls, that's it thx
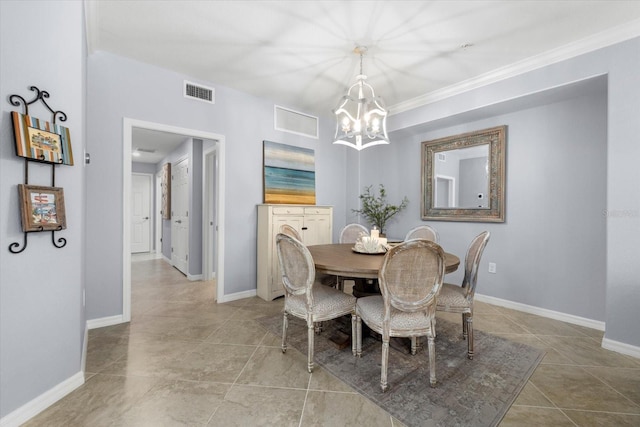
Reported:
(461, 178)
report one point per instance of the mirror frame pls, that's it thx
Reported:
(496, 139)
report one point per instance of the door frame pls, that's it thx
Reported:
(209, 241)
(157, 215)
(127, 137)
(452, 189)
(151, 195)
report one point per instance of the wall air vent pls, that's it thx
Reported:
(199, 92)
(295, 122)
(442, 157)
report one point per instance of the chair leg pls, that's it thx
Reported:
(469, 324)
(354, 332)
(310, 338)
(414, 345)
(285, 325)
(358, 336)
(432, 360)
(464, 326)
(385, 361)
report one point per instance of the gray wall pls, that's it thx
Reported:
(42, 318)
(605, 213)
(119, 87)
(473, 180)
(137, 167)
(555, 191)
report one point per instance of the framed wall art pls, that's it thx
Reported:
(289, 174)
(42, 208)
(40, 140)
(166, 191)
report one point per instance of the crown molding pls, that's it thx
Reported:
(589, 44)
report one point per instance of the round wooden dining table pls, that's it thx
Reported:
(341, 260)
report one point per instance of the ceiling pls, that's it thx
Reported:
(300, 53)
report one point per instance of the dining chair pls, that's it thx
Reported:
(325, 279)
(304, 299)
(423, 232)
(290, 231)
(352, 232)
(459, 299)
(410, 278)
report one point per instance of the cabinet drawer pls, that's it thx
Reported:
(317, 211)
(288, 210)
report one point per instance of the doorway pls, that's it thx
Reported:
(445, 192)
(180, 216)
(219, 141)
(140, 218)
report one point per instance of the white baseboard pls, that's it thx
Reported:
(42, 402)
(238, 295)
(85, 346)
(105, 321)
(194, 277)
(556, 315)
(620, 347)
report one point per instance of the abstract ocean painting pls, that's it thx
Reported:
(289, 174)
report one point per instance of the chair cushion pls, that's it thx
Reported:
(453, 297)
(371, 310)
(328, 303)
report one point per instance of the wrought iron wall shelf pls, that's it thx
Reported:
(17, 100)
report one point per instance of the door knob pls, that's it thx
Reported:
(179, 221)
(146, 217)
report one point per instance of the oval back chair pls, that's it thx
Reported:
(351, 232)
(423, 232)
(410, 280)
(304, 299)
(459, 299)
(290, 231)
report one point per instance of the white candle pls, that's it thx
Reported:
(382, 241)
(375, 233)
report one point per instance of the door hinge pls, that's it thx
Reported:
(186, 257)
(187, 213)
(171, 250)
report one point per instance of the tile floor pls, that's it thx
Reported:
(184, 360)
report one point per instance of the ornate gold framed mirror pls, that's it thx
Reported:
(463, 177)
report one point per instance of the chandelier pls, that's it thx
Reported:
(361, 119)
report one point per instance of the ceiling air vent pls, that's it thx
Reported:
(146, 150)
(295, 122)
(199, 92)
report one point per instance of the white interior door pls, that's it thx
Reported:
(140, 213)
(180, 215)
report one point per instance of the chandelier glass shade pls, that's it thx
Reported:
(361, 116)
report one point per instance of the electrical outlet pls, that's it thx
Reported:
(492, 267)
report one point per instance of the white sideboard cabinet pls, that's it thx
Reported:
(315, 225)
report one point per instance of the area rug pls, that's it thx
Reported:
(474, 392)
